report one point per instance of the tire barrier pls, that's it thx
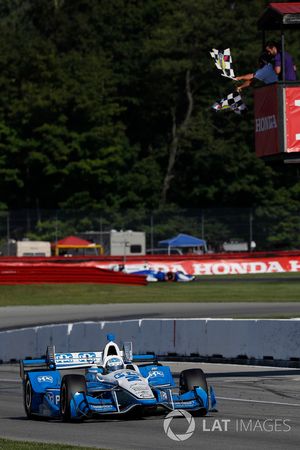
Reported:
(62, 273)
(249, 340)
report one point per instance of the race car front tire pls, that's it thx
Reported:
(28, 398)
(190, 378)
(70, 385)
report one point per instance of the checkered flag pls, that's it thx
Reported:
(223, 61)
(232, 102)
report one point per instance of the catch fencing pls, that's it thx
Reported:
(260, 228)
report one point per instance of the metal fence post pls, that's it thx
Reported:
(8, 233)
(250, 231)
(151, 233)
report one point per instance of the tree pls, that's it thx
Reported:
(107, 106)
(62, 107)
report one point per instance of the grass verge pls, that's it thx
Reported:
(272, 288)
(7, 444)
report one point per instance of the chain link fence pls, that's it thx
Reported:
(259, 229)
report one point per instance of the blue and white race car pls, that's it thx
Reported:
(154, 273)
(113, 381)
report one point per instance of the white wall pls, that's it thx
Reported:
(230, 338)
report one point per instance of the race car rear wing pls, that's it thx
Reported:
(148, 358)
(130, 357)
(78, 360)
(87, 359)
(57, 361)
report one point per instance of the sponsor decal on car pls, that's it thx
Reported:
(86, 357)
(45, 379)
(129, 376)
(186, 404)
(53, 398)
(63, 358)
(163, 395)
(100, 407)
(156, 373)
(141, 391)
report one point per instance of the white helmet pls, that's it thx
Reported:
(114, 363)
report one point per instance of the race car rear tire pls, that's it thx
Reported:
(28, 398)
(69, 386)
(190, 378)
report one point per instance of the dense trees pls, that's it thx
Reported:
(105, 105)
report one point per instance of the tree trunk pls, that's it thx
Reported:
(177, 131)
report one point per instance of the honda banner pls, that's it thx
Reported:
(216, 267)
(211, 266)
(266, 120)
(292, 110)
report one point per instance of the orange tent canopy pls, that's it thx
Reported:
(73, 242)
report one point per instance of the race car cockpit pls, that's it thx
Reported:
(113, 363)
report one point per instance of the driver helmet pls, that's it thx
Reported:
(114, 363)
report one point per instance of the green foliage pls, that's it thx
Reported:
(91, 92)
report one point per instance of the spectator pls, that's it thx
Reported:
(290, 69)
(265, 73)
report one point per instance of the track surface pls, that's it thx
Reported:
(252, 403)
(25, 316)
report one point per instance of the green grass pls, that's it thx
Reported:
(7, 444)
(206, 290)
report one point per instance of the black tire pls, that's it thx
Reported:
(190, 378)
(28, 398)
(69, 386)
(170, 276)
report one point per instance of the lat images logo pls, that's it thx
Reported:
(179, 413)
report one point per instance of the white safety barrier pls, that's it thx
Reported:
(229, 338)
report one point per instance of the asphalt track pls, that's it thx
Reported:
(258, 408)
(25, 316)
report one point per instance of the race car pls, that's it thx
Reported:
(161, 275)
(153, 274)
(111, 382)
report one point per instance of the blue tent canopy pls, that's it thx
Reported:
(183, 240)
